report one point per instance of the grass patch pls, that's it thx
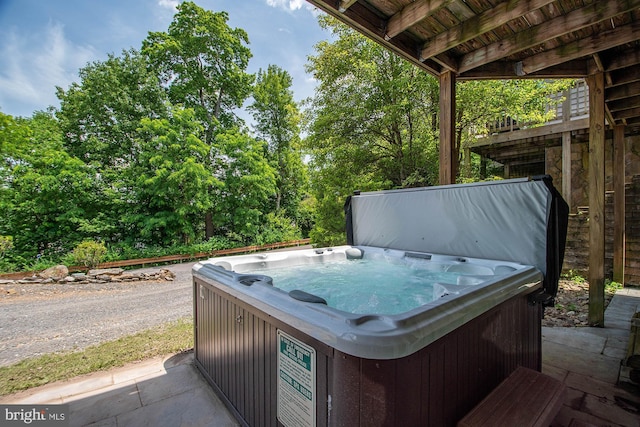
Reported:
(172, 337)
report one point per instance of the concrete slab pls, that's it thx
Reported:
(177, 380)
(196, 407)
(577, 338)
(595, 365)
(608, 410)
(98, 405)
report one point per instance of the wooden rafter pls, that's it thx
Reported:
(579, 48)
(621, 92)
(629, 113)
(624, 60)
(505, 70)
(412, 14)
(623, 77)
(624, 104)
(572, 21)
(346, 4)
(480, 24)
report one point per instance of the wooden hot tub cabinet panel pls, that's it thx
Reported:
(235, 349)
(439, 384)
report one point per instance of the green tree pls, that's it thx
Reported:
(172, 178)
(375, 108)
(49, 195)
(100, 115)
(370, 123)
(202, 62)
(249, 181)
(277, 121)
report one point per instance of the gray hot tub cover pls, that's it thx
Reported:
(518, 220)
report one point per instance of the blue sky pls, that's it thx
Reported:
(45, 42)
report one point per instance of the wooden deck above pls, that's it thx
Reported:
(483, 39)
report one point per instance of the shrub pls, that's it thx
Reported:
(277, 228)
(6, 244)
(89, 253)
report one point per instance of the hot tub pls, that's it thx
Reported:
(287, 349)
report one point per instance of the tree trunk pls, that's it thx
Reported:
(208, 225)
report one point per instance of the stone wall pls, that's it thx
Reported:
(577, 250)
(580, 167)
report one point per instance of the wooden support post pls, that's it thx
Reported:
(448, 155)
(467, 162)
(566, 150)
(566, 168)
(618, 204)
(596, 199)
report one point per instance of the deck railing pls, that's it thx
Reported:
(576, 103)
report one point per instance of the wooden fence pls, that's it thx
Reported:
(170, 259)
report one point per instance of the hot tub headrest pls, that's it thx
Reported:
(519, 220)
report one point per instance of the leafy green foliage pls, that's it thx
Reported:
(277, 228)
(249, 181)
(482, 102)
(172, 178)
(202, 62)
(89, 253)
(370, 125)
(6, 244)
(100, 115)
(277, 121)
(49, 191)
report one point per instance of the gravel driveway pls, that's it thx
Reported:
(40, 319)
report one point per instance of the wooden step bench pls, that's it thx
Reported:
(630, 366)
(525, 398)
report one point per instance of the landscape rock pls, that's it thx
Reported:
(166, 274)
(57, 272)
(106, 276)
(106, 271)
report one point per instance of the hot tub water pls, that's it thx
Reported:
(367, 285)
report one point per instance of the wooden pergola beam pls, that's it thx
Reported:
(346, 4)
(579, 48)
(596, 175)
(411, 15)
(578, 68)
(480, 24)
(575, 20)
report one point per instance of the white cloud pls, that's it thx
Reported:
(287, 4)
(169, 4)
(33, 65)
